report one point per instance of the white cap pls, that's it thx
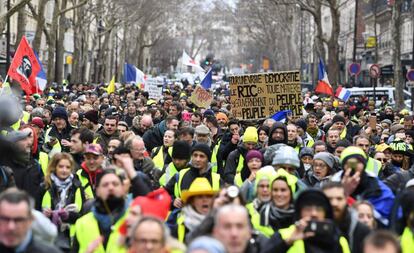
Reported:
(410, 183)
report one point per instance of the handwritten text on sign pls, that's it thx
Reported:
(201, 98)
(259, 96)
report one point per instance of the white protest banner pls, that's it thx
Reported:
(154, 88)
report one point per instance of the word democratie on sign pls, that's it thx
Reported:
(258, 96)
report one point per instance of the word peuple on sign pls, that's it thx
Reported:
(258, 96)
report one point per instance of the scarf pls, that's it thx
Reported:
(62, 188)
(192, 218)
(91, 174)
(277, 218)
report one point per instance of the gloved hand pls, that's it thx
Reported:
(63, 214)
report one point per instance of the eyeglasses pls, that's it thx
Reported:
(143, 241)
(4, 220)
(382, 159)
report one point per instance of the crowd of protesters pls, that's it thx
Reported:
(87, 171)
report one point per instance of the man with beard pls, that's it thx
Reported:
(100, 226)
(373, 166)
(81, 137)
(90, 121)
(332, 138)
(109, 130)
(278, 134)
(57, 137)
(200, 167)
(202, 135)
(313, 129)
(345, 218)
(310, 206)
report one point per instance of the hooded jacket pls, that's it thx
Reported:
(275, 126)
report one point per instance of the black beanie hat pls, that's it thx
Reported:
(92, 115)
(338, 118)
(202, 148)
(313, 197)
(302, 124)
(181, 150)
(60, 112)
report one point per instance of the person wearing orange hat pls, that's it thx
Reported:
(198, 201)
(222, 120)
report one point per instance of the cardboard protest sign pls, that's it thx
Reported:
(201, 97)
(154, 88)
(258, 96)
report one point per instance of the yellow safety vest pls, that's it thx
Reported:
(180, 228)
(89, 193)
(407, 241)
(43, 161)
(158, 157)
(373, 166)
(170, 171)
(240, 164)
(255, 218)
(238, 180)
(343, 134)
(299, 246)
(214, 157)
(177, 187)
(47, 203)
(87, 230)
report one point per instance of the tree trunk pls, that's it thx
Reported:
(77, 45)
(16, 7)
(52, 43)
(37, 41)
(333, 46)
(60, 47)
(396, 54)
(21, 26)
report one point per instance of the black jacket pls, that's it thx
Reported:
(398, 180)
(6, 178)
(154, 137)
(103, 139)
(188, 178)
(232, 162)
(35, 246)
(64, 135)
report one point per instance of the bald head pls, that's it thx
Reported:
(146, 122)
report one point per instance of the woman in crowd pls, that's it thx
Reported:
(365, 212)
(323, 168)
(64, 197)
(161, 156)
(278, 212)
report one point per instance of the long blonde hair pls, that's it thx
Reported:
(51, 168)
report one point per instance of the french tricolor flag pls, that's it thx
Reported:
(342, 93)
(134, 75)
(323, 86)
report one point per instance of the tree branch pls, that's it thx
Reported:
(72, 7)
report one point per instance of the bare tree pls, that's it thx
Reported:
(396, 53)
(3, 18)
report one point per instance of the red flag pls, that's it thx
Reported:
(324, 88)
(24, 67)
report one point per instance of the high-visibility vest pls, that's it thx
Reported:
(255, 219)
(158, 157)
(87, 187)
(214, 157)
(87, 230)
(342, 136)
(238, 180)
(47, 203)
(240, 164)
(170, 171)
(373, 166)
(407, 241)
(177, 187)
(299, 246)
(43, 161)
(180, 228)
